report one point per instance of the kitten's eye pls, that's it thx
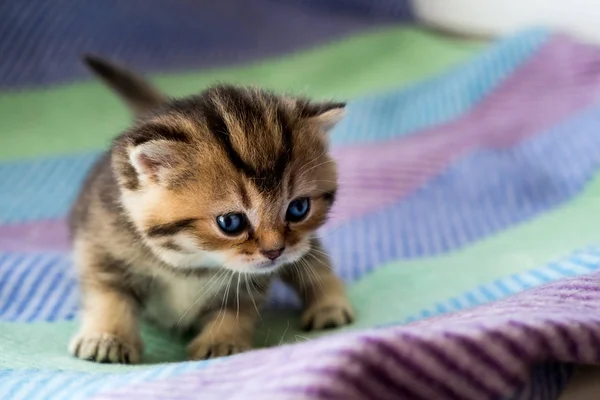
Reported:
(298, 209)
(232, 224)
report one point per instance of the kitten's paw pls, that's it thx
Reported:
(202, 348)
(105, 348)
(327, 314)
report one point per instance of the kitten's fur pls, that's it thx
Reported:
(145, 236)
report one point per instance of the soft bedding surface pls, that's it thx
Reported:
(464, 229)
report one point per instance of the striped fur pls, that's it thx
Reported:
(145, 226)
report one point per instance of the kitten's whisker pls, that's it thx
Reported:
(327, 181)
(228, 277)
(284, 332)
(309, 274)
(300, 275)
(314, 273)
(315, 166)
(261, 288)
(301, 337)
(321, 253)
(213, 280)
(221, 282)
(301, 171)
(225, 299)
(258, 284)
(251, 295)
(328, 232)
(237, 294)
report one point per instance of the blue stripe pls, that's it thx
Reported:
(33, 288)
(64, 385)
(20, 274)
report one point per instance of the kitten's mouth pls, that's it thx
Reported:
(267, 266)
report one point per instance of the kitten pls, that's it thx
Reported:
(193, 211)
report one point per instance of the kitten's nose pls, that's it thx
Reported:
(272, 254)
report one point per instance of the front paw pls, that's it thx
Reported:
(204, 348)
(327, 314)
(105, 348)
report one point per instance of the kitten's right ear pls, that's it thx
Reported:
(140, 95)
(326, 115)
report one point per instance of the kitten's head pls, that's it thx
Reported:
(234, 177)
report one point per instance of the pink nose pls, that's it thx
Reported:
(272, 254)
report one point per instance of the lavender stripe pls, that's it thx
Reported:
(35, 236)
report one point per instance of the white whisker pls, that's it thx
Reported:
(251, 295)
(284, 332)
(213, 280)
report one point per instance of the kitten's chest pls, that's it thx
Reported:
(178, 301)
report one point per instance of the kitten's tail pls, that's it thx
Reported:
(139, 94)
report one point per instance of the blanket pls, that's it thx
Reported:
(464, 229)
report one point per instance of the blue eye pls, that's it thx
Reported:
(298, 209)
(232, 224)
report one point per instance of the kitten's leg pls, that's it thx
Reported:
(226, 332)
(325, 302)
(109, 332)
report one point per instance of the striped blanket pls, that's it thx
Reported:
(465, 230)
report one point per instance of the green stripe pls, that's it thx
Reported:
(390, 294)
(85, 116)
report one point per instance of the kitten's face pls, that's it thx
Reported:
(234, 178)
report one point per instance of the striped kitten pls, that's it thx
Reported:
(195, 209)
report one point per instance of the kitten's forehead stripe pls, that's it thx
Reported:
(255, 114)
(244, 194)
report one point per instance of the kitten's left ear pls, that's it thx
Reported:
(326, 115)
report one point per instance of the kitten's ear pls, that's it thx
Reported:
(158, 161)
(140, 95)
(326, 115)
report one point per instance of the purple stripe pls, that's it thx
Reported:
(572, 346)
(595, 344)
(545, 346)
(377, 372)
(466, 375)
(478, 351)
(414, 368)
(361, 383)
